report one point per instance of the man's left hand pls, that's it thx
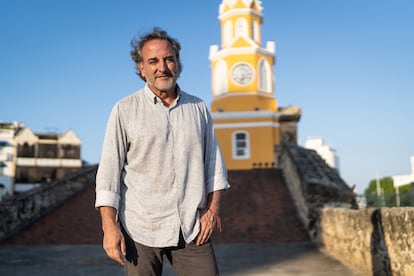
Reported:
(207, 223)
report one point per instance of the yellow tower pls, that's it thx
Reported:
(244, 110)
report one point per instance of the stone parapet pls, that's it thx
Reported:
(312, 184)
(372, 241)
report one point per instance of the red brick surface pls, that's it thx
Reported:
(74, 222)
(257, 208)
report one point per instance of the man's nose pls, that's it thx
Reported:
(163, 66)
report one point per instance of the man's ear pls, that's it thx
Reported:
(140, 68)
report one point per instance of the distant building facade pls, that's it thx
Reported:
(28, 158)
(325, 151)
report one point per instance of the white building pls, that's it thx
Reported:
(401, 180)
(325, 151)
(8, 156)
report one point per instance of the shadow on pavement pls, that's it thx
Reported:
(234, 259)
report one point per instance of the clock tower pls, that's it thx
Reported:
(244, 109)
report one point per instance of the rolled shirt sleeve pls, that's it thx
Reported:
(108, 177)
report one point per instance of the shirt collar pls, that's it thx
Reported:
(155, 99)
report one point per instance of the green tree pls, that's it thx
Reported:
(381, 197)
(406, 195)
(387, 194)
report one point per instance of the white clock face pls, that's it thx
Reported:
(242, 73)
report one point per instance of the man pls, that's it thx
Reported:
(161, 172)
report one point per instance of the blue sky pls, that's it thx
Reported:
(347, 63)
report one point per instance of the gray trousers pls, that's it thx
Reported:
(187, 259)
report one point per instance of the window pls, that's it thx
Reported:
(47, 151)
(69, 151)
(220, 78)
(241, 149)
(265, 83)
(2, 165)
(26, 150)
(241, 27)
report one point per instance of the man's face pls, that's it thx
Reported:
(160, 66)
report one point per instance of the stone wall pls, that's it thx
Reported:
(312, 184)
(19, 211)
(295, 184)
(372, 241)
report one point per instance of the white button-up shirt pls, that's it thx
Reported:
(157, 166)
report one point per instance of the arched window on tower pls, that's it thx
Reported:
(220, 78)
(241, 27)
(241, 145)
(265, 83)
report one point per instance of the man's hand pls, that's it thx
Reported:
(113, 240)
(114, 244)
(209, 217)
(207, 223)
